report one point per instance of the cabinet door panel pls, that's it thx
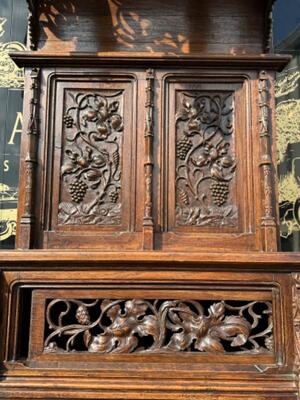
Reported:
(209, 191)
(89, 199)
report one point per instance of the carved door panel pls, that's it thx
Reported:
(93, 142)
(209, 187)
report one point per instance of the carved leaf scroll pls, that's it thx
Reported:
(158, 326)
(91, 167)
(205, 162)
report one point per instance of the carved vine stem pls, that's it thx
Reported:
(33, 24)
(158, 326)
(268, 219)
(148, 163)
(28, 217)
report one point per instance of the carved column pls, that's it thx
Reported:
(148, 226)
(268, 221)
(28, 218)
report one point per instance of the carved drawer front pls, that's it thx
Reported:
(211, 163)
(94, 144)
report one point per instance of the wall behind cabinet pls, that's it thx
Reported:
(13, 21)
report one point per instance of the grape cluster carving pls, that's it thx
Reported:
(91, 169)
(119, 326)
(205, 166)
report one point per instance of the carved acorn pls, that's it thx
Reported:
(226, 161)
(103, 113)
(194, 125)
(99, 161)
(216, 172)
(93, 175)
(67, 168)
(213, 154)
(200, 161)
(193, 112)
(90, 116)
(116, 122)
(83, 162)
(102, 129)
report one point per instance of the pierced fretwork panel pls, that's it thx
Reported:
(91, 185)
(158, 326)
(205, 159)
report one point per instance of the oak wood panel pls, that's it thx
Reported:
(217, 323)
(144, 373)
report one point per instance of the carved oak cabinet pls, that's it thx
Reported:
(148, 264)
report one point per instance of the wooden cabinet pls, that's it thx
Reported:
(147, 263)
(153, 158)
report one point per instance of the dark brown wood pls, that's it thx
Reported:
(148, 230)
(172, 27)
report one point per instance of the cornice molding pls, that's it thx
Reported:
(43, 59)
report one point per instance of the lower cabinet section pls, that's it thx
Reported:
(131, 333)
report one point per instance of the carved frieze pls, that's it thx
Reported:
(91, 163)
(158, 326)
(205, 159)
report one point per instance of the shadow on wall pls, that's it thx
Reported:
(120, 25)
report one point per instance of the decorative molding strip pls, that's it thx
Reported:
(33, 24)
(158, 326)
(31, 157)
(296, 319)
(148, 163)
(266, 164)
(268, 46)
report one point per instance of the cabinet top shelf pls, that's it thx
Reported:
(172, 27)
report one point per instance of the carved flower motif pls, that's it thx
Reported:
(216, 158)
(104, 116)
(120, 337)
(205, 332)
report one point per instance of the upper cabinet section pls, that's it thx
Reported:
(169, 27)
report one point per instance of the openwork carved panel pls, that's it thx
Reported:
(158, 326)
(91, 164)
(205, 159)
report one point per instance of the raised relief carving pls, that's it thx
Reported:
(158, 326)
(148, 162)
(205, 162)
(266, 164)
(91, 167)
(31, 157)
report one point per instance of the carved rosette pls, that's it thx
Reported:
(266, 164)
(205, 160)
(91, 167)
(158, 326)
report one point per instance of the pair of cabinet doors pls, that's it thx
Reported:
(132, 159)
